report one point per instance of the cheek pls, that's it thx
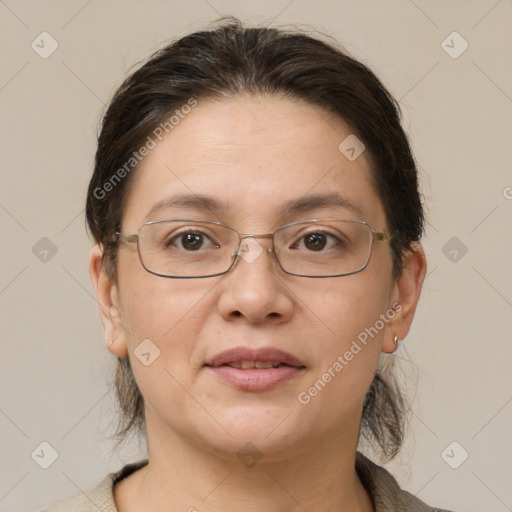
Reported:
(165, 318)
(343, 307)
(347, 342)
(169, 312)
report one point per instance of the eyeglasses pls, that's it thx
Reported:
(188, 248)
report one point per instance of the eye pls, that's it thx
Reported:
(315, 241)
(318, 241)
(191, 241)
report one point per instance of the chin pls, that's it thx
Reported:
(254, 431)
(251, 445)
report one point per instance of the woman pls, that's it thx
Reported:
(257, 221)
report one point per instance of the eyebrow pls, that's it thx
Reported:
(205, 203)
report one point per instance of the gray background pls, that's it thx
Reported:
(458, 111)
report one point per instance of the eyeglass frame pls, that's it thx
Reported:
(134, 238)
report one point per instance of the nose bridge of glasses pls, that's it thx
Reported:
(251, 236)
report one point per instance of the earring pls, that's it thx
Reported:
(395, 341)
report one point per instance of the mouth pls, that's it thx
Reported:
(247, 358)
(255, 369)
(247, 365)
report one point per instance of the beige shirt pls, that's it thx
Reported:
(378, 482)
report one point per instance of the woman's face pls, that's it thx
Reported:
(252, 156)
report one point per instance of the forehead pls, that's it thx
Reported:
(252, 156)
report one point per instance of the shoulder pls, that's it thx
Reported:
(385, 491)
(101, 497)
(379, 483)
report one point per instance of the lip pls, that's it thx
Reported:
(255, 379)
(265, 354)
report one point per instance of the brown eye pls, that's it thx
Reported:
(189, 241)
(315, 241)
(192, 241)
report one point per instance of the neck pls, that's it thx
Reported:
(193, 479)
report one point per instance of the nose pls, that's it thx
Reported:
(254, 289)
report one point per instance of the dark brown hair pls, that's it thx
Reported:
(220, 63)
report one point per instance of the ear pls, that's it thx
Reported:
(107, 297)
(405, 296)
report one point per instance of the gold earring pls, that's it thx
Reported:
(395, 341)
